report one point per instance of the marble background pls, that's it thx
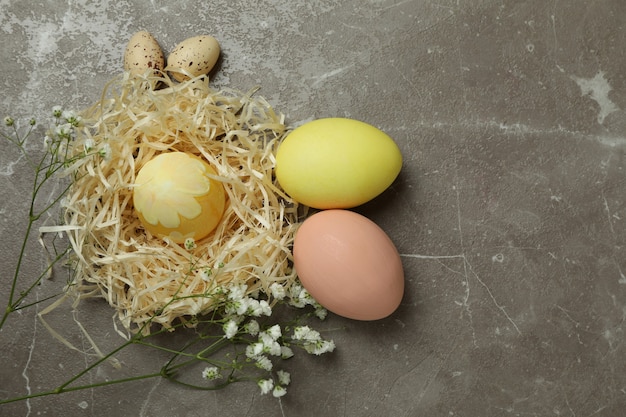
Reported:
(509, 213)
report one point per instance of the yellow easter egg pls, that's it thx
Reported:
(175, 197)
(336, 163)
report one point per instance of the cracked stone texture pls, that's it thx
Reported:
(509, 213)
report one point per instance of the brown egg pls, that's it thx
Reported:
(349, 265)
(142, 53)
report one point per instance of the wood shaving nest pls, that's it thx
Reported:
(152, 280)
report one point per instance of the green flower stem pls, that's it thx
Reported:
(64, 389)
(10, 305)
(48, 165)
(18, 303)
(19, 142)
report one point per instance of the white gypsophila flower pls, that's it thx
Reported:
(294, 296)
(218, 289)
(306, 297)
(264, 363)
(211, 373)
(237, 292)
(266, 385)
(321, 312)
(266, 310)
(252, 328)
(320, 347)
(254, 350)
(245, 305)
(278, 291)
(294, 290)
(71, 118)
(9, 121)
(190, 244)
(106, 152)
(63, 131)
(270, 345)
(57, 111)
(89, 145)
(275, 331)
(76, 121)
(284, 377)
(279, 391)
(265, 338)
(230, 329)
(205, 274)
(231, 308)
(258, 308)
(306, 333)
(254, 308)
(47, 141)
(299, 297)
(274, 349)
(286, 352)
(250, 351)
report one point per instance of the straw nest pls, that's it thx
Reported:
(152, 280)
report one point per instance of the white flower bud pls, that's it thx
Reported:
(230, 329)
(279, 391)
(266, 385)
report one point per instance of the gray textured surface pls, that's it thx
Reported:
(510, 210)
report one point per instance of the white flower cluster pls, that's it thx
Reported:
(211, 373)
(64, 131)
(66, 122)
(267, 343)
(300, 298)
(239, 304)
(278, 389)
(312, 340)
(190, 244)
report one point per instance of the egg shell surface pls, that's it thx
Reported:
(336, 163)
(196, 55)
(349, 265)
(142, 53)
(175, 197)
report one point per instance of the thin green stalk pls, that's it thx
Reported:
(10, 307)
(62, 390)
(18, 303)
(23, 306)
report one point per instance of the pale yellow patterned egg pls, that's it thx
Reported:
(177, 196)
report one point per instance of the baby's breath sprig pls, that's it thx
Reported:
(242, 341)
(45, 165)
